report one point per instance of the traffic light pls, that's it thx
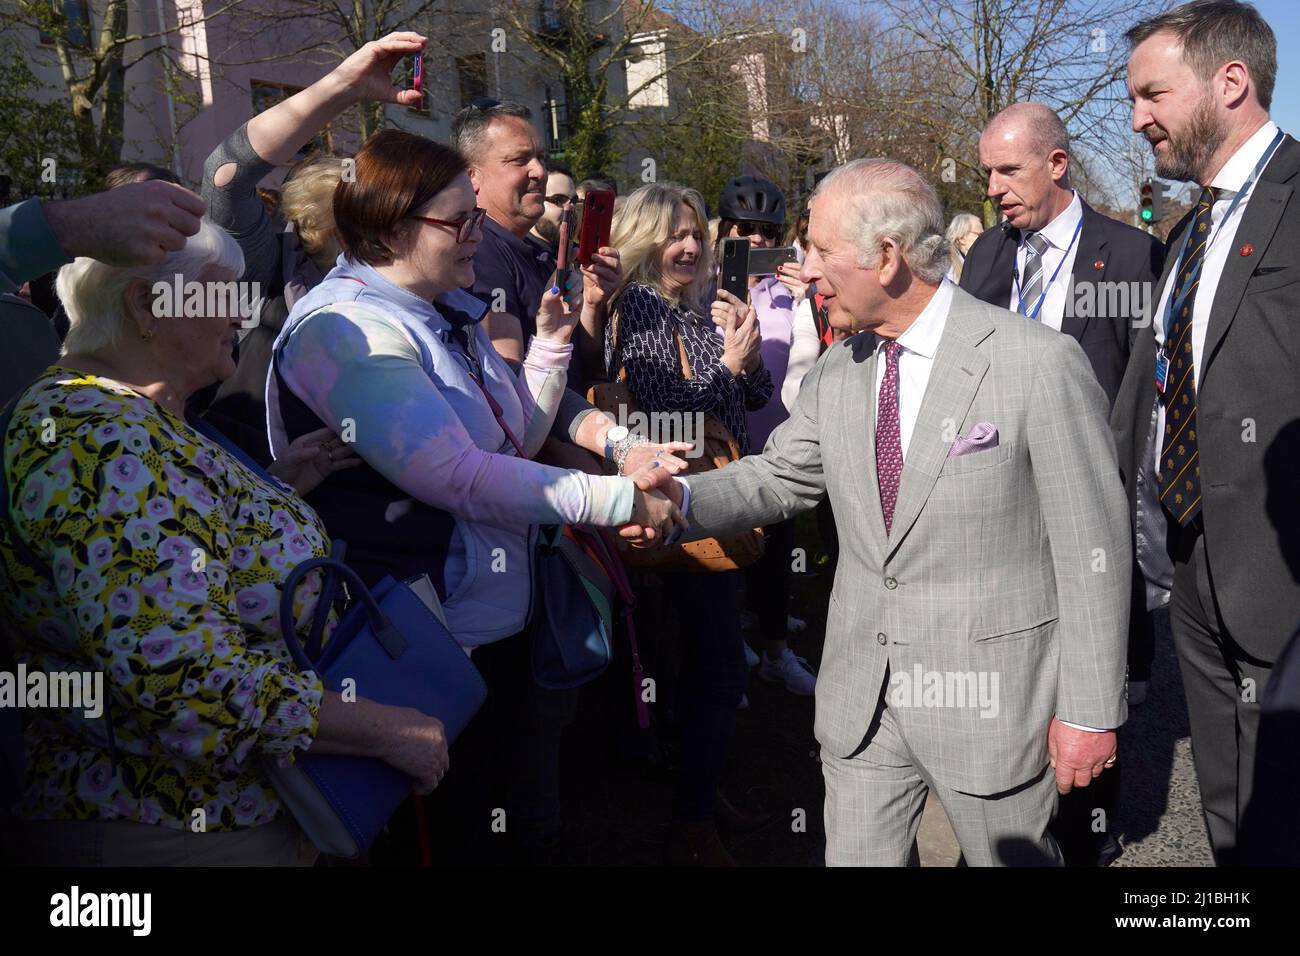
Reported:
(1152, 205)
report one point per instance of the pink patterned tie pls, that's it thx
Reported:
(889, 444)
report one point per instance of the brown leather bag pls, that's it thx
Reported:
(728, 553)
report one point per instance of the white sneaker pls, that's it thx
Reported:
(751, 658)
(789, 670)
(795, 625)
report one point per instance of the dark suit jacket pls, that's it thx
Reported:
(1248, 406)
(1126, 255)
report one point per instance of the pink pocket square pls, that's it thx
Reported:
(982, 437)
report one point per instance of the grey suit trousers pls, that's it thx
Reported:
(874, 800)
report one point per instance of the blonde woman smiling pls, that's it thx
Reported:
(660, 313)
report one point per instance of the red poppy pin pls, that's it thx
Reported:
(1246, 249)
(1099, 265)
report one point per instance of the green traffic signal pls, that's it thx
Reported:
(1146, 215)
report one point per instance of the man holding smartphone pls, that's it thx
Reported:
(513, 268)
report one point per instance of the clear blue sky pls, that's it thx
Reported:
(1284, 17)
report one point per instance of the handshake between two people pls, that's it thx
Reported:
(656, 506)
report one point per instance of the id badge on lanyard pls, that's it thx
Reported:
(1162, 370)
(1161, 376)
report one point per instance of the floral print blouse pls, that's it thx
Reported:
(160, 557)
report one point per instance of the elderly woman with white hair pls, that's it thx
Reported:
(962, 232)
(134, 544)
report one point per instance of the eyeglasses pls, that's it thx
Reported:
(464, 227)
(560, 199)
(767, 230)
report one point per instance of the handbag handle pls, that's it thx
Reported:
(328, 594)
(388, 636)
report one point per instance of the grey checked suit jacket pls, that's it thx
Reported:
(1011, 561)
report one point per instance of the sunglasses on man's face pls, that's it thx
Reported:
(561, 199)
(765, 229)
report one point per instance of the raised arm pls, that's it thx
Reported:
(273, 137)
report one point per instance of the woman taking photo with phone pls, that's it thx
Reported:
(754, 208)
(661, 322)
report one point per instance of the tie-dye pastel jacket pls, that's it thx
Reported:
(384, 369)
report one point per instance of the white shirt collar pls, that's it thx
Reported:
(1242, 163)
(1060, 230)
(923, 335)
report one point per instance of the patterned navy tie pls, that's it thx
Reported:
(1180, 469)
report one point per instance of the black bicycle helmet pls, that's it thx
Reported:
(751, 199)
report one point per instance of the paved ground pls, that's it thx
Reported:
(618, 781)
(1160, 803)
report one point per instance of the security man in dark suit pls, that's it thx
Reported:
(1204, 421)
(1057, 261)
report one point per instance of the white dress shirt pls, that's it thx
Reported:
(1231, 178)
(919, 342)
(1060, 253)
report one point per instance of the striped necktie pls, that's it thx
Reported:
(1032, 287)
(1180, 469)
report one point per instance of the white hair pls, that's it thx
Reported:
(885, 199)
(92, 292)
(962, 223)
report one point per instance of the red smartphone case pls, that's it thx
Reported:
(597, 214)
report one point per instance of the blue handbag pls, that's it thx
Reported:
(573, 607)
(397, 652)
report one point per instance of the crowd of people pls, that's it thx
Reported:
(416, 384)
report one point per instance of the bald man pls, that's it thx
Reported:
(1055, 259)
(1058, 261)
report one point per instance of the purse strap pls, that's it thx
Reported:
(386, 633)
(605, 553)
(499, 414)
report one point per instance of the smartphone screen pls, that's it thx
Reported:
(766, 262)
(417, 76)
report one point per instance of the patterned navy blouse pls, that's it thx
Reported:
(646, 321)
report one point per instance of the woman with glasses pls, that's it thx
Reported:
(391, 354)
(753, 207)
